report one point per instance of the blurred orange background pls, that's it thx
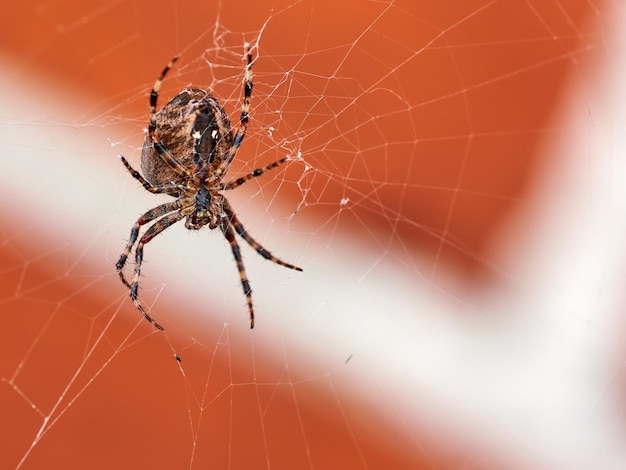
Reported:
(422, 124)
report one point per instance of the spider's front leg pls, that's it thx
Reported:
(230, 225)
(152, 232)
(134, 233)
(243, 233)
(229, 233)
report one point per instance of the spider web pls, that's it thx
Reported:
(453, 194)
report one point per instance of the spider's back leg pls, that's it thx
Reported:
(243, 119)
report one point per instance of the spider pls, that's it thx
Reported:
(187, 151)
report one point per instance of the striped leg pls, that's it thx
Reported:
(158, 146)
(243, 119)
(167, 189)
(242, 232)
(254, 174)
(149, 216)
(152, 232)
(154, 96)
(234, 246)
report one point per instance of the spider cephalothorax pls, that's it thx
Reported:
(188, 149)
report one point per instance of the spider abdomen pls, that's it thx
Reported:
(195, 129)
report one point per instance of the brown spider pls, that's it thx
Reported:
(188, 150)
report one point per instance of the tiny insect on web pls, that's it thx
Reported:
(188, 149)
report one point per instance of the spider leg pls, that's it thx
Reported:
(227, 229)
(242, 232)
(168, 158)
(171, 189)
(156, 143)
(149, 216)
(154, 96)
(258, 172)
(152, 232)
(149, 234)
(243, 119)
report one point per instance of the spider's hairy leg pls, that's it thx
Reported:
(242, 232)
(247, 94)
(243, 119)
(152, 125)
(167, 189)
(154, 96)
(149, 216)
(258, 172)
(227, 229)
(152, 232)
